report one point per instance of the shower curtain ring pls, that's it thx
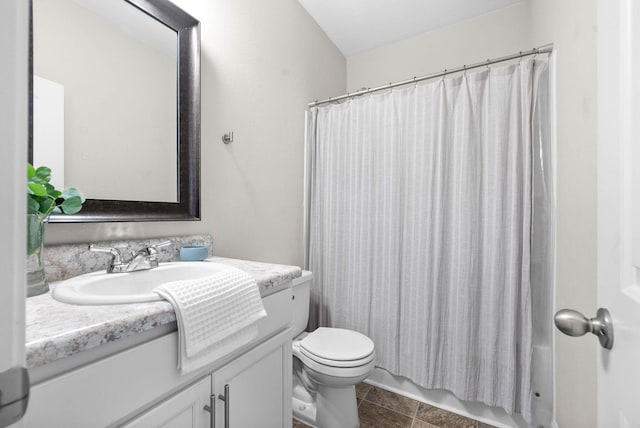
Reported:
(488, 64)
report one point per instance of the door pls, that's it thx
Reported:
(14, 36)
(619, 209)
(182, 410)
(255, 389)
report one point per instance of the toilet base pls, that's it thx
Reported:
(331, 408)
(337, 407)
(304, 412)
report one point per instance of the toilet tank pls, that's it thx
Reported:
(301, 291)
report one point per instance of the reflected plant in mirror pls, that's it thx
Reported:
(43, 199)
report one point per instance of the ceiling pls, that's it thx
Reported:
(359, 25)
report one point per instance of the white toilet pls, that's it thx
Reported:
(327, 364)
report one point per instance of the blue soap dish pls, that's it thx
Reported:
(194, 253)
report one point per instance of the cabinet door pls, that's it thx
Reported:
(183, 410)
(255, 389)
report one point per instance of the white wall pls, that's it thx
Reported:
(571, 26)
(261, 63)
(491, 35)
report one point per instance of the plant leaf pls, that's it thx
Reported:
(31, 171)
(46, 206)
(37, 189)
(71, 205)
(43, 174)
(43, 198)
(70, 192)
(51, 191)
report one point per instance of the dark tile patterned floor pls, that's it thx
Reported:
(379, 408)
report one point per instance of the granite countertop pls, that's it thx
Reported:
(57, 330)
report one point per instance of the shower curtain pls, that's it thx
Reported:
(420, 228)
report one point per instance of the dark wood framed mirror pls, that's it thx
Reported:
(177, 180)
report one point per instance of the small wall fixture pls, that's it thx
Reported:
(228, 138)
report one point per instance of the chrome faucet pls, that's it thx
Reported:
(146, 258)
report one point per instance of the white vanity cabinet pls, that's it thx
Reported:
(183, 410)
(248, 392)
(140, 387)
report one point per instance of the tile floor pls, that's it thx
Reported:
(379, 408)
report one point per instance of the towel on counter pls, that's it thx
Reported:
(216, 314)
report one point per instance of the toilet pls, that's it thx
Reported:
(327, 364)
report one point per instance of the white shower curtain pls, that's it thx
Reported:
(420, 229)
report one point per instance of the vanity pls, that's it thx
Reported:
(116, 365)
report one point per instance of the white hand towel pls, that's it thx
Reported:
(216, 314)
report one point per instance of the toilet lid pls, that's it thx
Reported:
(337, 344)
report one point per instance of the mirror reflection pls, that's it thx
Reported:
(105, 99)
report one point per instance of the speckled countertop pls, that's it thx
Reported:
(57, 330)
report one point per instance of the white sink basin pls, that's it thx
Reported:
(101, 288)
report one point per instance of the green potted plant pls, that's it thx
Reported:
(42, 200)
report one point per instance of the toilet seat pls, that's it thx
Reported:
(329, 370)
(337, 347)
(336, 352)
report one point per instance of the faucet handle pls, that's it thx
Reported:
(153, 249)
(116, 255)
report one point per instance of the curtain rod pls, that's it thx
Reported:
(541, 50)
